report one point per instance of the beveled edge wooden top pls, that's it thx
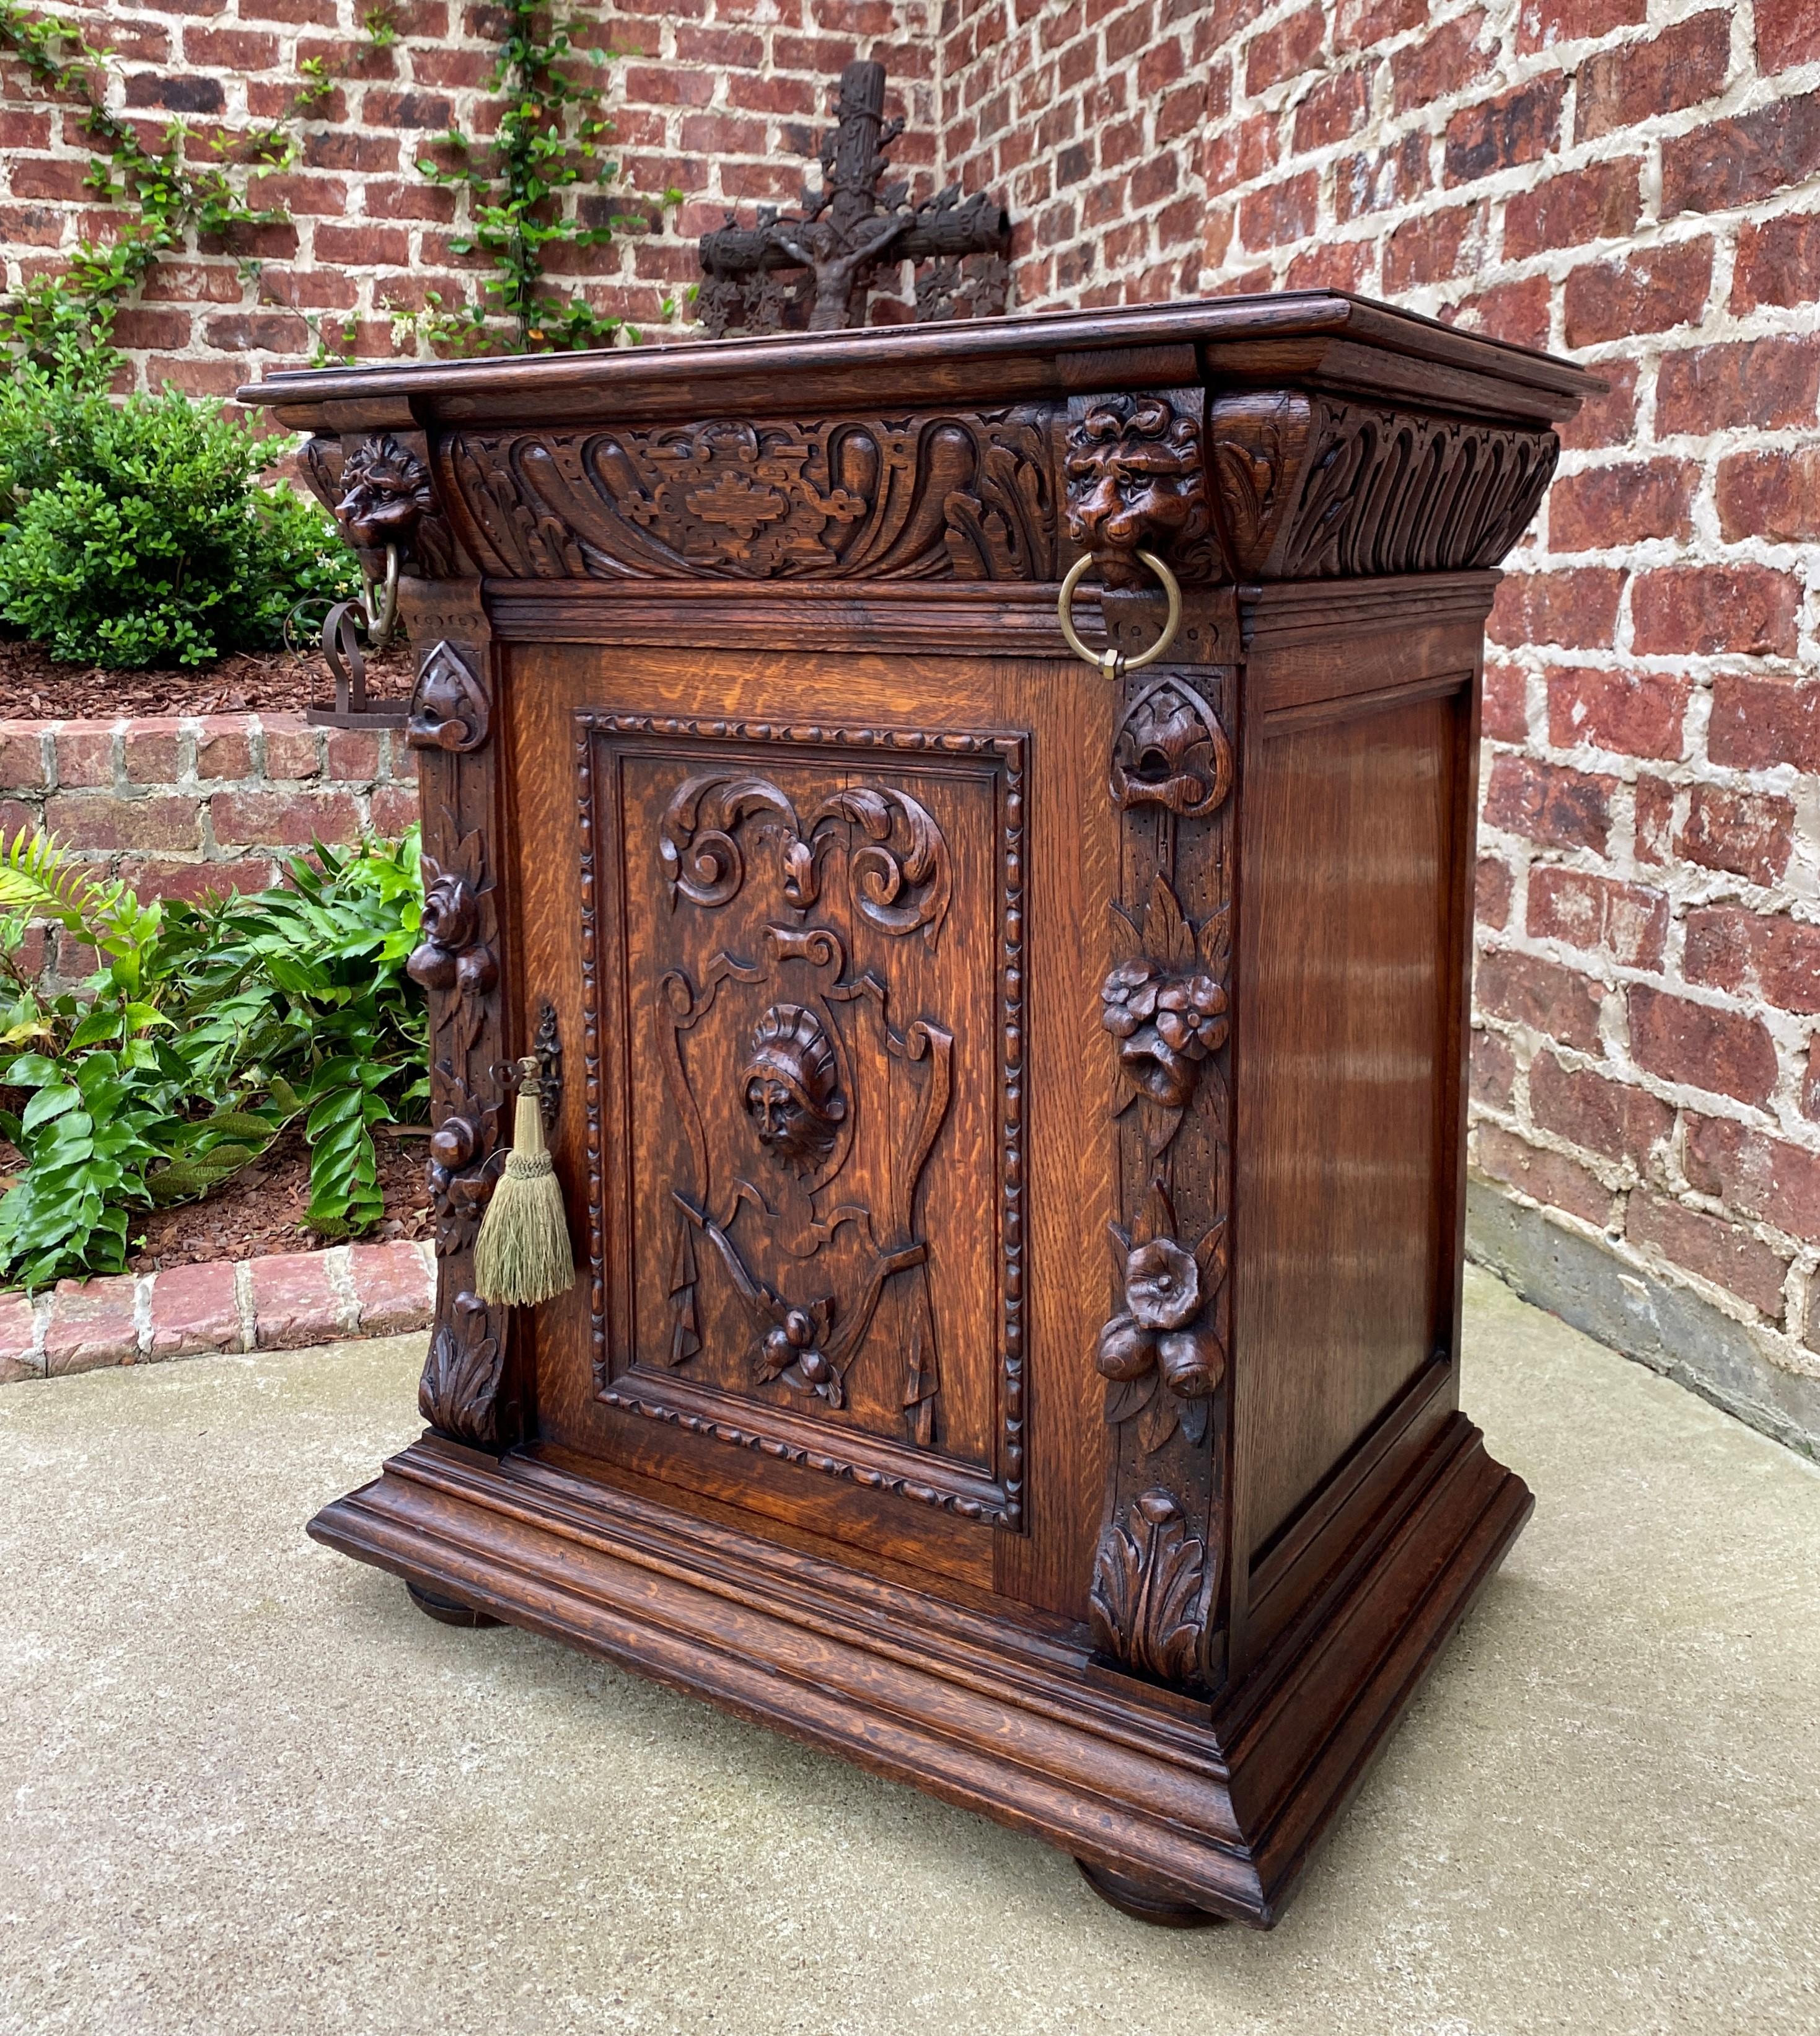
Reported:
(1317, 338)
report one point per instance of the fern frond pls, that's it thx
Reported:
(38, 877)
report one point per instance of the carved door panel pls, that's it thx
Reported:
(798, 1011)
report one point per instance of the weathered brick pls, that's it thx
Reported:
(1615, 1119)
(1774, 495)
(1551, 1178)
(1491, 891)
(1628, 922)
(1457, 54)
(20, 1357)
(293, 748)
(1759, 721)
(85, 752)
(1504, 715)
(1520, 125)
(1542, 25)
(98, 820)
(1577, 608)
(1777, 260)
(1600, 202)
(294, 1303)
(1699, 1045)
(1291, 47)
(1639, 713)
(1631, 83)
(1558, 807)
(1623, 505)
(1526, 991)
(1749, 833)
(1608, 420)
(193, 1311)
(22, 755)
(1760, 383)
(1651, 289)
(1723, 1253)
(285, 820)
(224, 747)
(1738, 161)
(1757, 955)
(393, 1286)
(1679, 610)
(1787, 33)
(91, 1324)
(151, 750)
(1431, 248)
(1493, 1069)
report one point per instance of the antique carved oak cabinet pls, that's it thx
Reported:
(1009, 1105)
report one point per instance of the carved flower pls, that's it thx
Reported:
(1127, 997)
(1191, 1362)
(1191, 1016)
(451, 913)
(1162, 1284)
(1126, 1351)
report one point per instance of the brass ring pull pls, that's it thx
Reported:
(1112, 662)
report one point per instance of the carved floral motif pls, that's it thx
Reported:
(955, 497)
(1166, 1006)
(1160, 1356)
(454, 952)
(1134, 483)
(458, 1391)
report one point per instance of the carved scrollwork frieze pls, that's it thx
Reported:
(961, 496)
(1307, 487)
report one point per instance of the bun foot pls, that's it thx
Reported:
(1145, 1903)
(451, 1611)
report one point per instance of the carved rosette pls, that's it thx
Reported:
(466, 1389)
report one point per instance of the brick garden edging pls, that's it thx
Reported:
(179, 804)
(284, 1302)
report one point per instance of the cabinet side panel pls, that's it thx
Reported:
(1342, 1084)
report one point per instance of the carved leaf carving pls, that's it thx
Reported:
(1150, 1582)
(957, 497)
(459, 1391)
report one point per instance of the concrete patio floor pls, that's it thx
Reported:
(247, 1787)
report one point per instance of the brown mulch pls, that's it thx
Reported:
(260, 1210)
(34, 687)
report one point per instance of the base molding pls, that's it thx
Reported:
(1204, 1806)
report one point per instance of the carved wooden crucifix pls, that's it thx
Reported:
(814, 268)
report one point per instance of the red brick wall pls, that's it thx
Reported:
(722, 99)
(181, 805)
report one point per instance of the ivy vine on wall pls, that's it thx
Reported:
(550, 142)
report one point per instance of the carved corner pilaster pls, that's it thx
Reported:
(1166, 1006)
(467, 1389)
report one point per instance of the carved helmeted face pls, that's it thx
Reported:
(790, 1087)
(385, 493)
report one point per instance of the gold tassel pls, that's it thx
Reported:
(522, 1254)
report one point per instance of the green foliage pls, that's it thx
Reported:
(134, 534)
(550, 139)
(204, 1031)
(171, 196)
